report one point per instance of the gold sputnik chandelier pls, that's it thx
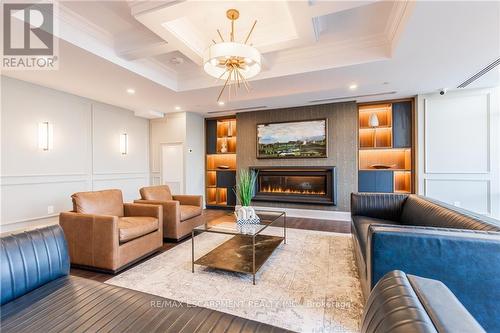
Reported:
(231, 61)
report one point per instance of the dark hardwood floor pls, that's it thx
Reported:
(211, 214)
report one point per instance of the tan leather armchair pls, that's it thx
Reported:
(106, 234)
(180, 212)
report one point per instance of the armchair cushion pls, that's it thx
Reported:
(133, 227)
(188, 211)
(158, 193)
(108, 202)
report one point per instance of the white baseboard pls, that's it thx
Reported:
(310, 213)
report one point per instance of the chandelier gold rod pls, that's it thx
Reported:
(238, 78)
(217, 79)
(235, 77)
(232, 30)
(236, 82)
(250, 32)
(229, 86)
(245, 84)
(222, 90)
(220, 35)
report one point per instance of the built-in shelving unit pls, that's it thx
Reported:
(386, 147)
(220, 162)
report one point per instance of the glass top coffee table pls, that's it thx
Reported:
(247, 250)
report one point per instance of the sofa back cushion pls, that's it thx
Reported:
(378, 205)
(158, 193)
(30, 260)
(420, 211)
(107, 202)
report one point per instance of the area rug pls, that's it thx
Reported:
(308, 285)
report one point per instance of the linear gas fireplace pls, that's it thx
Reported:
(311, 185)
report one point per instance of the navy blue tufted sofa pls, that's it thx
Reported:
(433, 240)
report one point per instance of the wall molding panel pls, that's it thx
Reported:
(469, 133)
(37, 185)
(459, 149)
(43, 179)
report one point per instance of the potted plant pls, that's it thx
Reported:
(245, 189)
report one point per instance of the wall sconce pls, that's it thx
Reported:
(45, 136)
(124, 143)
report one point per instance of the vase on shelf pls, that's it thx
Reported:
(374, 123)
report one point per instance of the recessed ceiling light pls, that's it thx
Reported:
(130, 91)
(220, 103)
(177, 108)
(353, 86)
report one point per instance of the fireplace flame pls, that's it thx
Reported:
(279, 189)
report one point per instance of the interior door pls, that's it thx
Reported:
(172, 167)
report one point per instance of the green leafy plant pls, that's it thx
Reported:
(245, 187)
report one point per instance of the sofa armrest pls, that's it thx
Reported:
(443, 307)
(385, 206)
(92, 239)
(466, 261)
(408, 303)
(192, 200)
(142, 209)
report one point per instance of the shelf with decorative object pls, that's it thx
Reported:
(220, 163)
(385, 156)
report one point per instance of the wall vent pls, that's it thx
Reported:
(479, 74)
(351, 97)
(240, 109)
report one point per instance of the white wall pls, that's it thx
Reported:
(459, 149)
(187, 129)
(85, 154)
(195, 154)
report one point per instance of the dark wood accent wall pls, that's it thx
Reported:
(342, 146)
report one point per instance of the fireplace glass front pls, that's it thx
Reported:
(300, 184)
(306, 185)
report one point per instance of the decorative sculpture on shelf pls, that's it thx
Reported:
(245, 190)
(374, 123)
(223, 147)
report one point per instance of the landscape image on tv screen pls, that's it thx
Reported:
(298, 139)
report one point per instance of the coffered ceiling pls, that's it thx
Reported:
(312, 50)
